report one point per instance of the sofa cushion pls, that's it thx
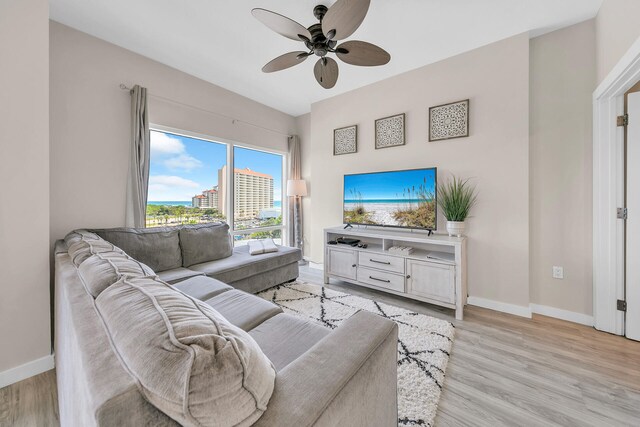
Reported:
(102, 270)
(188, 360)
(77, 235)
(244, 310)
(202, 287)
(83, 248)
(176, 275)
(241, 264)
(205, 242)
(157, 247)
(284, 338)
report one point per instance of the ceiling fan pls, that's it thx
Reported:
(336, 23)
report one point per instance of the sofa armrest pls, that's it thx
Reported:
(347, 378)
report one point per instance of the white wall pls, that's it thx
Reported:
(90, 124)
(24, 194)
(617, 27)
(563, 76)
(496, 155)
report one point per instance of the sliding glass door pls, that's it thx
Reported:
(258, 191)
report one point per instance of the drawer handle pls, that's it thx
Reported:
(379, 280)
(379, 262)
(353, 265)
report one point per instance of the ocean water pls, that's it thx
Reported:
(276, 203)
(171, 203)
(382, 201)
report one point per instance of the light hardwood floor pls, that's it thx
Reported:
(32, 402)
(504, 370)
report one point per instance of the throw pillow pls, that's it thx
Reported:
(157, 247)
(205, 242)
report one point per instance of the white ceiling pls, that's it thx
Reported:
(219, 40)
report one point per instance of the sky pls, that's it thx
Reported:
(387, 185)
(182, 167)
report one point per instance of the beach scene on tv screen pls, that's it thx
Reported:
(397, 199)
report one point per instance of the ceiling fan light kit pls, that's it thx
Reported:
(338, 22)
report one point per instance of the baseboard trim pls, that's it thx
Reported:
(558, 313)
(544, 310)
(516, 310)
(28, 370)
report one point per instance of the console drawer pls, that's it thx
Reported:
(380, 278)
(381, 261)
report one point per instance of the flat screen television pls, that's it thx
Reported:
(405, 199)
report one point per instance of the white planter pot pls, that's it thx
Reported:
(456, 228)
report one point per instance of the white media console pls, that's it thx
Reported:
(434, 272)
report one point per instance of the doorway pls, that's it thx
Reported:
(631, 121)
(609, 193)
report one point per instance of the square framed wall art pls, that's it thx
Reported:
(345, 140)
(390, 131)
(449, 121)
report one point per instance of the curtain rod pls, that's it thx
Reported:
(233, 120)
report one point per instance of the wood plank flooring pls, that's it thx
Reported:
(511, 371)
(30, 403)
(504, 370)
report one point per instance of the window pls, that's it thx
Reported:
(183, 180)
(190, 183)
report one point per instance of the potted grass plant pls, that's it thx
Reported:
(456, 198)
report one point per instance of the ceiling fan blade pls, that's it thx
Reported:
(285, 61)
(326, 72)
(362, 53)
(281, 24)
(344, 17)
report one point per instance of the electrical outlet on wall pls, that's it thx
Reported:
(558, 272)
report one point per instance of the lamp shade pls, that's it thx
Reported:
(296, 187)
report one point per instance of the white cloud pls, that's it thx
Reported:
(172, 152)
(183, 162)
(172, 188)
(163, 144)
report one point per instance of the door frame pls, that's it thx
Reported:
(608, 192)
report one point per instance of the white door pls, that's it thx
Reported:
(632, 319)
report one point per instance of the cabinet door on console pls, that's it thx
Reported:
(431, 280)
(342, 262)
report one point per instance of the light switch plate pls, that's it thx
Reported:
(558, 272)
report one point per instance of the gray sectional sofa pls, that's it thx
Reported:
(155, 327)
(177, 253)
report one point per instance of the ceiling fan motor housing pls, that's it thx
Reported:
(317, 36)
(319, 43)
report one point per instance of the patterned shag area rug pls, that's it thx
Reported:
(424, 342)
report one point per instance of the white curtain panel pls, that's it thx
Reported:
(294, 228)
(138, 180)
